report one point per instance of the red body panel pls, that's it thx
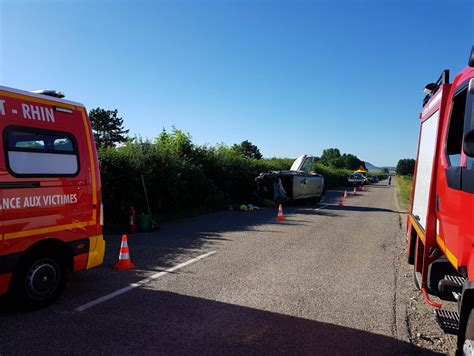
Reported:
(449, 228)
(61, 208)
(456, 207)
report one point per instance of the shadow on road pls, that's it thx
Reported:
(170, 323)
(362, 208)
(179, 241)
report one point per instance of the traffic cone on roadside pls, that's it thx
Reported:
(340, 202)
(355, 191)
(124, 262)
(280, 216)
(345, 194)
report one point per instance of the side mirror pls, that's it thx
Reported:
(469, 143)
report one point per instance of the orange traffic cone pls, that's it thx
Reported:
(280, 216)
(124, 262)
(355, 191)
(345, 194)
(340, 202)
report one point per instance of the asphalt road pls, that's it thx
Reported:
(324, 281)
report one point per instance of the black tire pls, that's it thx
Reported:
(469, 334)
(39, 280)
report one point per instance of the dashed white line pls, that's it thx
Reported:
(141, 283)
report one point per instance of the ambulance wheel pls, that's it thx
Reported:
(39, 281)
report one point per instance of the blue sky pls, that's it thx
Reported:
(292, 77)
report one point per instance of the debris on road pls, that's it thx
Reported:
(243, 207)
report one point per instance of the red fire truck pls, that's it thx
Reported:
(50, 203)
(440, 230)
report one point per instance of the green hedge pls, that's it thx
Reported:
(182, 179)
(333, 177)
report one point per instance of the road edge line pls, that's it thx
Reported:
(140, 283)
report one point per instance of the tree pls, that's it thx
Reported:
(350, 161)
(385, 171)
(248, 150)
(107, 127)
(177, 141)
(405, 167)
(332, 157)
(330, 154)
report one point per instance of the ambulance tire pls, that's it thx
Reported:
(39, 280)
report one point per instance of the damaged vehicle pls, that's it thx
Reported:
(300, 182)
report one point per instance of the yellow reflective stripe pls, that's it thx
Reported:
(414, 223)
(37, 100)
(46, 230)
(449, 254)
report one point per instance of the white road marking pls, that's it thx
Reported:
(141, 283)
(322, 207)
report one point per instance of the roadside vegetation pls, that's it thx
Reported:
(183, 178)
(404, 191)
(405, 169)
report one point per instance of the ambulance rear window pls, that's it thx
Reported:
(40, 153)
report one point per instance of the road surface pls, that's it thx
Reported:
(324, 281)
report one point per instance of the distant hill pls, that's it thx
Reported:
(375, 169)
(372, 168)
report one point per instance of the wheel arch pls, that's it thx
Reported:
(53, 245)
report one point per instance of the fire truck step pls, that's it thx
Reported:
(448, 321)
(458, 279)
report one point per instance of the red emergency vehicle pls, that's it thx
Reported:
(440, 230)
(50, 201)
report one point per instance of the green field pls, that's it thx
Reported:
(404, 191)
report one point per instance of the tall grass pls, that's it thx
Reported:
(404, 184)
